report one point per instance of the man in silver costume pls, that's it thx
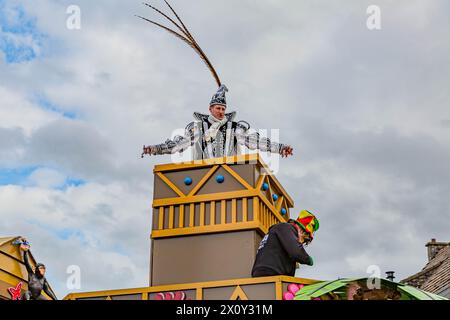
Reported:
(217, 135)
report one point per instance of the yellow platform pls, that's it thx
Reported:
(264, 288)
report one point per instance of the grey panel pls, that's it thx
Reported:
(197, 215)
(166, 217)
(177, 178)
(161, 190)
(246, 171)
(228, 206)
(264, 291)
(239, 210)
(218, 208)
(250, 214)
(222, 293)
(200, 258)
(212, 186)
(186, 215)
(176, 218)
(155, 219)
(207, 214)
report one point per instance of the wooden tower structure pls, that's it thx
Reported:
(208, 219)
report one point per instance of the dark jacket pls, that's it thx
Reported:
(279, 251)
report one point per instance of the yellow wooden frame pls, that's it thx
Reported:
(198, 286)
(240, 159)
(264, 215)
(205, 198)
(237, 177)
(224, 227)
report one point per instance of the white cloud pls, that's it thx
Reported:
(17, 112)
(46, 178)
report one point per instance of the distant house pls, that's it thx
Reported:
(435, 276)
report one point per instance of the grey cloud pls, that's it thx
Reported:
(12, 142)
(78, 146)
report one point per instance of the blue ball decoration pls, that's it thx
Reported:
(275, 197)
(283, 211)
(265, 186)
(188, 181)
(220, 179)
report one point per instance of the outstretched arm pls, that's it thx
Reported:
(49, 291)
(178, 144)
(27, 263)
(254, 141)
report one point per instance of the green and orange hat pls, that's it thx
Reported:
(308, 222)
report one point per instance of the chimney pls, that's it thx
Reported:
(390, 275)
(434, 247)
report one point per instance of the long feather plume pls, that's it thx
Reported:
(170, 19)
(202, 54)
(184, 36)
(178, 18)
(176, 34)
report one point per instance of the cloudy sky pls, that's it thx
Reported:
(367, 112)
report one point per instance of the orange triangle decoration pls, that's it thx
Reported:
(238, 294)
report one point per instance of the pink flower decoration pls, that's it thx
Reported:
(169, 296)
(159, 296)
(178, 295)
(288, 296)
(293, 288)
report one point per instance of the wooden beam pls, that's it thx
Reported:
(191, 215)
(223, 212)
(213, 213)
(233, 211)
(171, 217)
(204, 197)
(181, 218)
(255, 209)
(202, 214)
(217, 228)
(244, 210)
(237, 177)
(208, 163)
(161, 218)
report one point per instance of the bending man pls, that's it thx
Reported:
(283, 246)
